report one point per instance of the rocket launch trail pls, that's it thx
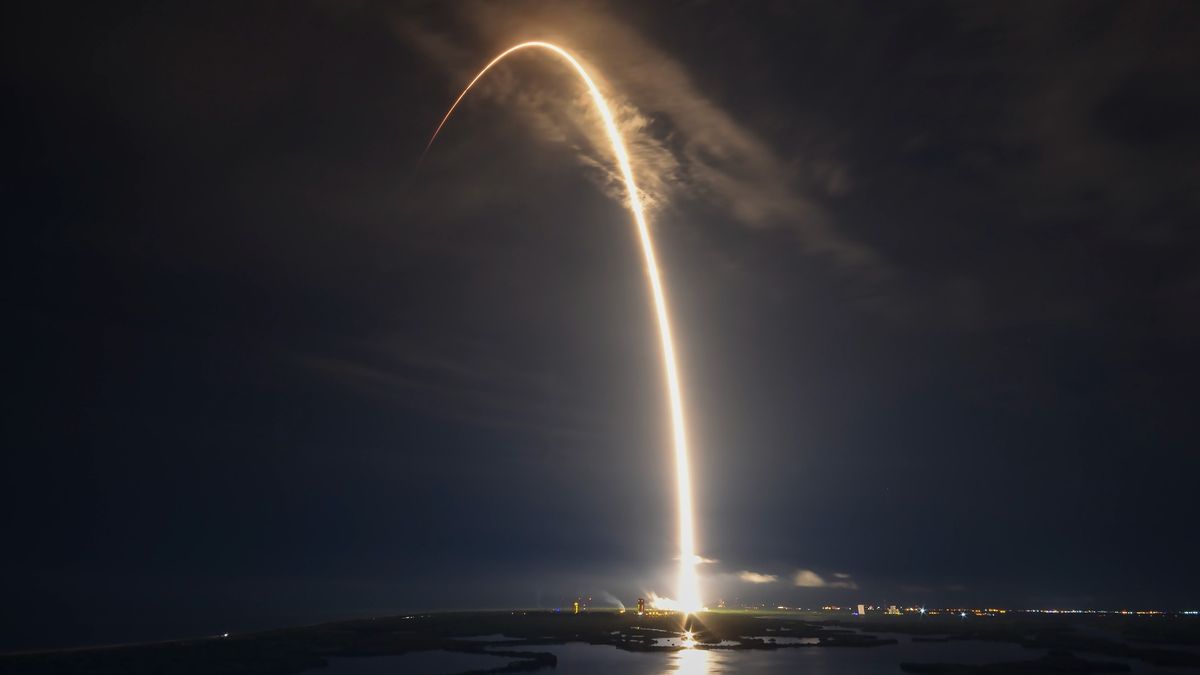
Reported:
(687, 591)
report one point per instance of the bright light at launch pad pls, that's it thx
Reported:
(688, 587)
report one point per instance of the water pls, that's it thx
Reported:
(577, 658)
(435, 662)
(777, 639)
(678, 642)
(584, 659)
(785, 640)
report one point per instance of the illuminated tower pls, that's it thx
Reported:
(641, 606)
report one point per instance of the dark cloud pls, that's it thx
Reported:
(933, 269)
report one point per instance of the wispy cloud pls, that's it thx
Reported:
(463, 382)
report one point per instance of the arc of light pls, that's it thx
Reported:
(688, 591)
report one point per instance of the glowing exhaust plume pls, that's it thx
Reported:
(688, 590)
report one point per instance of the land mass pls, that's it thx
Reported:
(516, 635)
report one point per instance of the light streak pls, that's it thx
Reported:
(688, 588)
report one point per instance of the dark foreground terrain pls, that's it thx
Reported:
(1076, 645)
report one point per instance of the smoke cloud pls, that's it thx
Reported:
(810, 579)
(757, 577)
(682, 143)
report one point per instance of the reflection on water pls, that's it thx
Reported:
(577, 658)
(781, 640)
(691, 662)
(583, 659)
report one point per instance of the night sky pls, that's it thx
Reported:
(934, 271)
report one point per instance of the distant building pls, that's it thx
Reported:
(862, 610)
(641, 606)
(892, 609)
